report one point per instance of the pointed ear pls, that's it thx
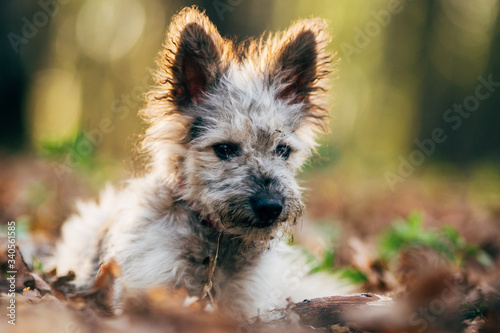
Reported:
(193, 56)
(302, 61)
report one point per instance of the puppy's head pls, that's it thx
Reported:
(232, 125)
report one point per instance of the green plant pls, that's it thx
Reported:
(410, 232)
(79, 150)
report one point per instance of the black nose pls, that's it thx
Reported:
(266, 209)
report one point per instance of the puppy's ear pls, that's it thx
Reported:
(301, 60)
(192, 60)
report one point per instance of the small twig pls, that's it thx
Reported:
(207, 289)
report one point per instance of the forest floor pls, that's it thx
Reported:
(430, 249)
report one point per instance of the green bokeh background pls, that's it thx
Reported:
(402, 65)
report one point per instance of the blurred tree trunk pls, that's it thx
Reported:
(12, 82)
(476, 138)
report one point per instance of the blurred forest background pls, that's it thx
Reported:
(72, 75)
(406, 184)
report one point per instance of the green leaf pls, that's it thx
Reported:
(352, 274)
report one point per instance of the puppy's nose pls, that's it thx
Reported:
(266, 209)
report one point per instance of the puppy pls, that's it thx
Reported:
(229, 128)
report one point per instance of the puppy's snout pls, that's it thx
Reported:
(267, 209)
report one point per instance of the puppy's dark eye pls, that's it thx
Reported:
(283, 151)
(226, 150)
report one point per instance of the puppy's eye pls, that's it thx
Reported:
(226, 150)
(283, 151)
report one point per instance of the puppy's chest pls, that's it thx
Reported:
(233, 261)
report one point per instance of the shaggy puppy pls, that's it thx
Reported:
(229, 127)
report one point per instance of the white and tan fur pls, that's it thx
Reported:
(266, 100)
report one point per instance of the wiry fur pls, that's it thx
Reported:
(161, 228)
